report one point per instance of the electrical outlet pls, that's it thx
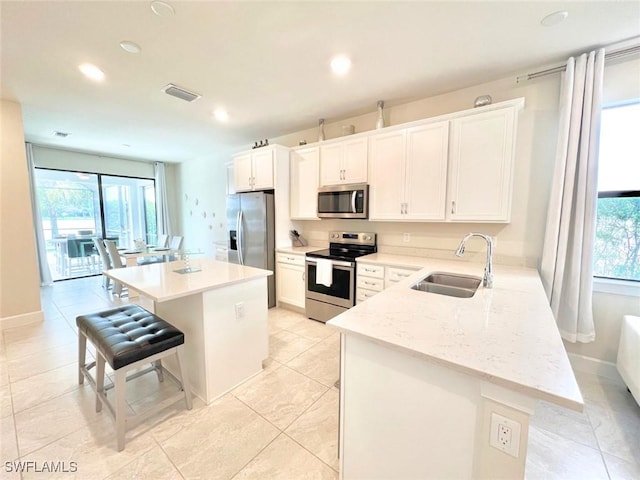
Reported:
(505, 434)
(406, 237)
(239, 310)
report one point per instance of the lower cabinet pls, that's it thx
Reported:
(373, 278)
(290, 279)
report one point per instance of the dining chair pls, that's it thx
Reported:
(162, 240)
(106, 261)
(116, 262)
(73, 260)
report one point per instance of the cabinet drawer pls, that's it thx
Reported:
(290, 258)
(368, 283)
(368, 270)
(362, 294)
(395, 275)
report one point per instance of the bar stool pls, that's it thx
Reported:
(128, 337)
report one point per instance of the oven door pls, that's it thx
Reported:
(342, 289)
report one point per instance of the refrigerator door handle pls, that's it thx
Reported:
(240, 236)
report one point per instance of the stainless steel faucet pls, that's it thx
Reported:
(487, 279)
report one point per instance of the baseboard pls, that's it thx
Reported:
(21, 320)
(595, 366)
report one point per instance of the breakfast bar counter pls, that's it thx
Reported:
(222, 310)
(424, 375)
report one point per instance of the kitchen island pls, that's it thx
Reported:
(423, 375)
(222, 310)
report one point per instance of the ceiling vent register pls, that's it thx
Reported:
(180, 93)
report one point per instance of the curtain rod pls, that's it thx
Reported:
(608, 56)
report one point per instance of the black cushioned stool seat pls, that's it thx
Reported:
(127, 337)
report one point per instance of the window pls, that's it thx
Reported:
(77, 206)
(617, 245)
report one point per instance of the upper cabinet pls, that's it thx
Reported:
(408, 173)
(481, 166)
(304, 183)
(343, 161)
(254, 170)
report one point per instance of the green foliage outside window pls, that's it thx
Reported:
(617, 246)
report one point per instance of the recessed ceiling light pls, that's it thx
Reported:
(162, 9)
(91, 71)
(221, 115)
(554, 18)
(130, 47)
(340, 64)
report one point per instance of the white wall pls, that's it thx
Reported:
(87, 162)
(19, 279)
(202, 185)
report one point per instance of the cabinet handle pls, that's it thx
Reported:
(369, 283)
(304, 276)
(453, 207)
(406, 208)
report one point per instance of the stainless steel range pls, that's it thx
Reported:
(331, 274)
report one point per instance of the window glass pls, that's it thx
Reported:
(617, 246)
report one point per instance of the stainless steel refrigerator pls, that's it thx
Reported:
(251, 233)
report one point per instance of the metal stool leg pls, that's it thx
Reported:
(186, 387)
(82, 354)
(99, 381)
(121, 407)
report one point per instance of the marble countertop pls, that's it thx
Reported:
(505, 335)
(299, 250)
(160, 281)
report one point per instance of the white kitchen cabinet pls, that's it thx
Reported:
(343, 161)
(304, 183)
(254, 170)
(369, 281)
(408, 172)
(373, 278)
(393, 275)
(290, 279)
(481, 166)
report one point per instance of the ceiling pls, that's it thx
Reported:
(266, 63)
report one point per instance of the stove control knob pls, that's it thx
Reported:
(367, 237)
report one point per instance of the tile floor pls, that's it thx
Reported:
(281, 424)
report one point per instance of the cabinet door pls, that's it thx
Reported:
(290, 284)
(331, 170)
(304, 183)
(242, 176)
(262, 164)
(482, 152)
(426, 172)
(386, 174)
(354, 161)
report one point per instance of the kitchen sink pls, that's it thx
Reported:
(450, 284)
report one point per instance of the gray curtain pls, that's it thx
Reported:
(41, 244)
(162, 204)
(567, 258)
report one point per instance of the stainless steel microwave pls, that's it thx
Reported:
(344, 201)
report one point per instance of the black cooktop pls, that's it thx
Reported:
(346, 254)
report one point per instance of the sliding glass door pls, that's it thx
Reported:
(76, 207)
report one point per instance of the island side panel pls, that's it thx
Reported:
(403, 417)
(186, 314)
(236, 334)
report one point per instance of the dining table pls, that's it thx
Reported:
(132, 255)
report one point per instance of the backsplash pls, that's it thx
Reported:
(434, 240)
